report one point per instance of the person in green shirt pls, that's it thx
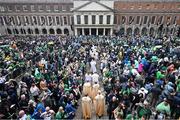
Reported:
(60, 114)
(164, 107)
(144, 110)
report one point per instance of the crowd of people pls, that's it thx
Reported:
(44, 77)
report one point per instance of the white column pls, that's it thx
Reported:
(75, 19)
(96, 31)
(75, 31)
(82, 31)
(111, 31)
(97, 19)
(62, 18)
(89, 31)
(82, 19)
(103, 31)
(112, 20)
(104, 19)
(90, 19)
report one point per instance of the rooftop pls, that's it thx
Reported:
(70, 1)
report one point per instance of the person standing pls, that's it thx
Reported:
(95, 89)
(86, 107)
(93, 66)
(99, 103)
(87, 88)
(95, 78)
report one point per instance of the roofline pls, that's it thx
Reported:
(90, 3)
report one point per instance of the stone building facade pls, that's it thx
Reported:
(36, 17)
(93, 17)
(153, 17)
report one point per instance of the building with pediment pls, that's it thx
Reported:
(90, 17)
(93, 17)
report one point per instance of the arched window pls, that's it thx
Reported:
(129, 31)
(9, 31)
(51, 31)
(36, 31)
(44, 31)
(66, 31)
(58, 31)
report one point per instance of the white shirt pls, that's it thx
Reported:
(34, 91)
(95, 78)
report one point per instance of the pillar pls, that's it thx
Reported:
(97, 19)
(111, 31)
(103, 31)
(82, 20)
(89, 31)
(82, 31)
(96, 31)
(75, 31)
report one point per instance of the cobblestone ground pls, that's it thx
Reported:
(79, 110)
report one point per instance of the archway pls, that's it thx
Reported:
(129, 31)
(151, 33)
(66, 31)
(121, 31)
(51, 31)
(30, 31)
(23, 31)
(144, 31)
(44, 31)
(167, 31)
(9, 31)
(136, 31)
(36, 31)
(58, 31)
(16, 31)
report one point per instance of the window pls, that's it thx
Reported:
(72, 20)
(145, 19)
(34, 20)
(63, 8)
(56, 8)
(160, 20)
(153, 19)
(32, 8)
(78, 19)
(178, 6)
(101, 19)
(48, 8)
(174, 21)
(85, 19)
(57, 20)
(40, 8)
(137, 19)
(67, 8)
(147, 6)
(168, 20)
(140, 7)
(131, 19)
(115, 19)
(108, 19)
(25, 8)
(93, 19)
(65, 20)
(155, 6)
(2, 9)
(123, 19)
(132, 7)
(18, 7)
(10, 8)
